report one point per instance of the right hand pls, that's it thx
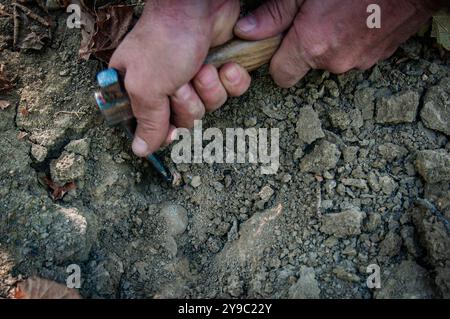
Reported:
(163, 53)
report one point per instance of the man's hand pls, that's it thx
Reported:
(332, 34)
(160, 57)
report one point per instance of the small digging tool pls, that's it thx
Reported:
(115, 106)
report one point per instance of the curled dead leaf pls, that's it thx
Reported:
(104, 29)
(39, 288)
(57, 191)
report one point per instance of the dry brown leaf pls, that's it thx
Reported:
(38, 288)
(33, 41)
(4, 104)
(103, 31)
(58, 192)
(5, 83)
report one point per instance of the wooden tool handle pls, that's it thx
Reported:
(249, 54)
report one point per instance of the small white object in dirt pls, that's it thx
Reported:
(343, 224)
(175, 217)
(265, 193)
(38, 152)
(196, 181)
(306, 286)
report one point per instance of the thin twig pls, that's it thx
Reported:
(32, 15)
(16, 27)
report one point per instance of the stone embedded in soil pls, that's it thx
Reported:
(62, 234)
(398, 108)
(306, 286)
(442, 281)
(365, 101)
(391, 245)
(433, 232)
(68, 167)
(196, 181)
(435, 113)
(324, 156)
(80, 147)
(346, 275)
(433, 165)
(176, 218)
(343, 224)
(387, 184)
(355, 182)
(406, 281)
(390, 151)
(309, 127)
(38, 152)
(265, 193)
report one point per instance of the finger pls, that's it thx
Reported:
(170, 135)
(186, 106)
(270, 19)
(152, 116)
(208, 87)
(288, 65)
(234, 78)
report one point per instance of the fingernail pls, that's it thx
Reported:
(232, 74)
(207, 79)
(140, 147)
(173, 135)
(246, 24)
(184, 92)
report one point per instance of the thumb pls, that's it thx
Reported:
(152, 116)
(270, 19)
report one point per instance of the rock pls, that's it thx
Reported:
(61, 234)
(68, 167)
(433, 232)
(355, 182)
(235, 286)
(265, 193)
(433, 165)
(365, 101)
(196, 181)
(345, 275)
(391, 245)
(443, 280)
(80, 147)
(373, 222)
(435, 113)
(349, 153)
(306, 286)
(391, 151)
(407, 281)
(324, 156)
(38, 152)
(398, 108)
(343, 224)
(387, 185)
(339, 119)
(309, 127)
(439, 195)
(176, 218)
